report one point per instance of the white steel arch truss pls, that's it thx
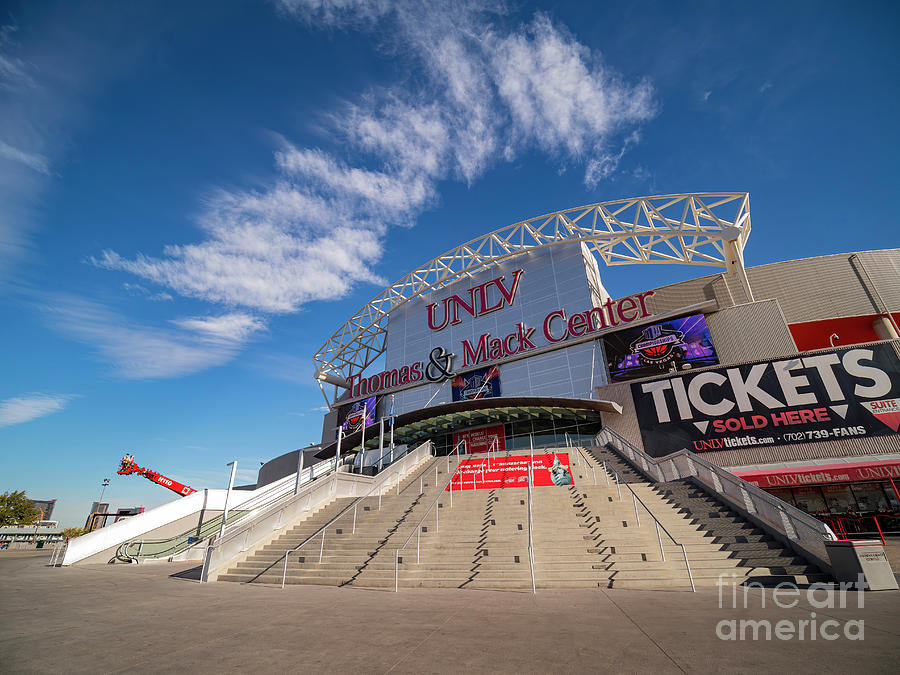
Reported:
(691, 229)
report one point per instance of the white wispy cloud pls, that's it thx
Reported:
(32, 160)
(604, 165)
(137, 289)
(30, 407)
(15, 73)
(142, 352)
(236, 327)
(484, 94)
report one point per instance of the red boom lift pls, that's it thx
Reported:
(128, 466)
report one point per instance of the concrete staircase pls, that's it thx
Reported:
(585, 536)
(349, 551)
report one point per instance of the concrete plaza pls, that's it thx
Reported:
(158, 618)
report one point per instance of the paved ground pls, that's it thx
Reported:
(147, 618)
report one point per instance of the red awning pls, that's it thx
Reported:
(822, 474)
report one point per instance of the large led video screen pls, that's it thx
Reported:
(357, 415)
(664, 347)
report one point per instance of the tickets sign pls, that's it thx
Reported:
(816, 397)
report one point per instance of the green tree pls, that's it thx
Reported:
(17, 509)
(72, 532)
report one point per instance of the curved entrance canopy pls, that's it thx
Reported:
(690, 229)
(420, 425)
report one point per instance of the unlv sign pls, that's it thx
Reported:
(477, 303)
(824, 396)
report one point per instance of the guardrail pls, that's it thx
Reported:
(531, 522)
(635, 500)
(251, 532)
(418, 528)
(136, 549)
(58, 553)
(799, 530)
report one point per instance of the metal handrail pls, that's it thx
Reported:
(270, 497)
(56, 556)
(783, 519)
(531, 523)
(384, 451)
(588, 463)
(659, 526)
(418, 528)
(377, 486)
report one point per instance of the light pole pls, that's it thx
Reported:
(233, 466)
(103, 485)
(362, 442)
(93, 516)
(337, 454)
(299, 470)
(380, 444)
(392, 429)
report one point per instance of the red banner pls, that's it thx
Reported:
(479, 440)
(503, 472)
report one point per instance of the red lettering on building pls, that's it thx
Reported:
(477, 303)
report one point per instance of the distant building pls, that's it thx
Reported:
(45, 506)
(97, 517)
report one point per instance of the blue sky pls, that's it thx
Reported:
(193, 196)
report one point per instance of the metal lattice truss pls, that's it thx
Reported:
(690, 229)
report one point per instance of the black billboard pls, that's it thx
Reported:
(824, 396)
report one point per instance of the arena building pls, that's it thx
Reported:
(787, 374)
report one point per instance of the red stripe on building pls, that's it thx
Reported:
(850, 330)
(822, 474)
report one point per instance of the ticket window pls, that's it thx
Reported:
(871, 498)
(891, 496)
(839, 499)
(810, 499)
(784, 494)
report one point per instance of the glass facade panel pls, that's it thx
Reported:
(784, 494)
(870, 498)
(839, 499)
(810, 499)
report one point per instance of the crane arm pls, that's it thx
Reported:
(128, 466)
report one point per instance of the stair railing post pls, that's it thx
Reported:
(618, 489)
(354, 518)
(421, 488)
(637, 516)
(688, 565)
(606, 473)
(322, 545)
(437, 527)
(418, 540)
(531, 524)
(380, 445)
(396, 567)
(659, 538)
(284, 574)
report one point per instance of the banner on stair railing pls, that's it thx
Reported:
(822, 396)
(490, 473)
